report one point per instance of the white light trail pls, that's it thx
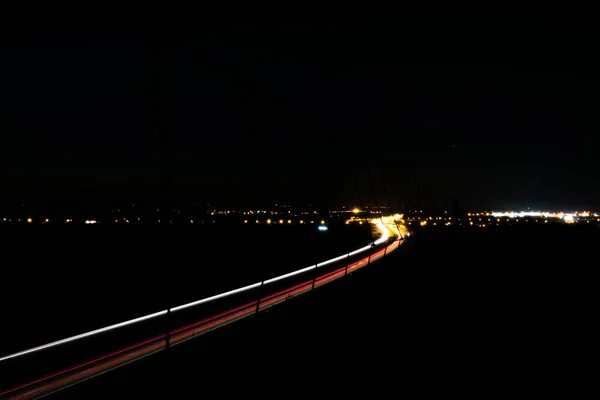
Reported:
(385, 236)
(385, 231)
(84, 335)
(338, 258)
(216, 297)
(300, 271)
(355, 252)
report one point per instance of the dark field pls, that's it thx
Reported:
(59, 281)
(469, 311)
(475, 312)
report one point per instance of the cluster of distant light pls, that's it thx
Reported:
(281, 221)
(544, 214)
(256, 213)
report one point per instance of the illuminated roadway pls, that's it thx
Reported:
(79, 373)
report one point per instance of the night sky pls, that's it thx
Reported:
(256, 113)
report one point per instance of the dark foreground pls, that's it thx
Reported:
(60, 281)
(470, 311)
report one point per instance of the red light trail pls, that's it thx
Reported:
(100, 365)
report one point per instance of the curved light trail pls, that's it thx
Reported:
(89, 369)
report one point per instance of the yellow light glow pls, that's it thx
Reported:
(355, 210)
(29, 220)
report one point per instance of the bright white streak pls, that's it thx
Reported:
(289, 274)
(381, 227)
(216, 297)
(385, 231)
(355, 252)
(385, 237)
(338, 258)
(84, 335)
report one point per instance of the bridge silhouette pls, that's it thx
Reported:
(234, 305)
(51, 367)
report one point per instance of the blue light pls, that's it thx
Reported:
(322, 228)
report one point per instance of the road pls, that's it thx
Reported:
(100, 365)
(449, 313)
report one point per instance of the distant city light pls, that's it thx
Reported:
(568, 217)
(29, 220)
(322, 228)
(544, 214)
(90, 221)
(356, 210)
